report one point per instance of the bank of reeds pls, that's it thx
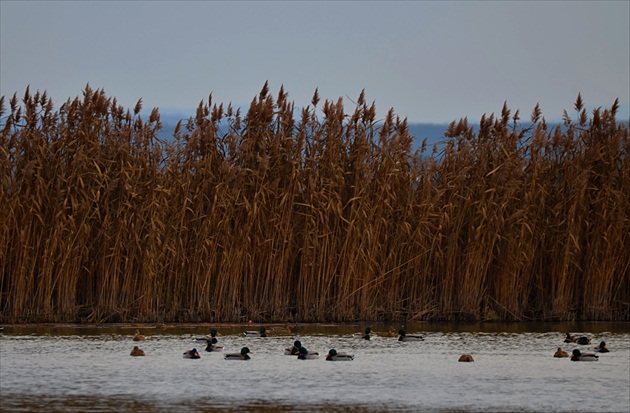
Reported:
(324, 216)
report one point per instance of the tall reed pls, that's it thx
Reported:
(317, 214)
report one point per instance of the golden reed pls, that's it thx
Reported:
(325, 216)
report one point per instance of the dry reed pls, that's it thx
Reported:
(273, 217)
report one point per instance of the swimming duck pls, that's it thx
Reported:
(212, 345)
(583, 341)
(213, 335)
(365, 335)
(293, 351)
(602, 348)
(287, 329)
(560, 353)
(192, 354)
(466, 358)
(137, 351)
(403, 336)
(260, 333)
(307, 355)
(334, 356)
(579, 356)
(243, 355)
(138, 336)
(570, 339)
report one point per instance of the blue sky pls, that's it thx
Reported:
(432, 61)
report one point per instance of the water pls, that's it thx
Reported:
(70, 369)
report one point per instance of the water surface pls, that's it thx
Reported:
(76, 369)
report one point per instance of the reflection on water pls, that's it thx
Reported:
(77, 369)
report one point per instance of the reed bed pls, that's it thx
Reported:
(312, 214)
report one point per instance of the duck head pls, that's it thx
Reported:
(213, 333)
(245, 351)
(332, 352)
(575, 354)
(297, 344)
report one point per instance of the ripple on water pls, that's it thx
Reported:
(512, 372)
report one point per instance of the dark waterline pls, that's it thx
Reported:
(318, 328)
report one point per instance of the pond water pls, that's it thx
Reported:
(78, 369)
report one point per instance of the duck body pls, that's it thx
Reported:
(212, 345)
(287, 329)
(333, 355)
(260, 333)
(243, 355)
(602, 348)
(212, 336)
(583, 341)
(466, 358)
(293, 350)
(570, 338)
(138, 337)
(137, 352)
(192, 354)
(577, 355)
(403, 336)
(307, 355)
(560, 353)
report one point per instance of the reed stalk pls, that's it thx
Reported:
(318, 215)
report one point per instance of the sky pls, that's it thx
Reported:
(431, 61)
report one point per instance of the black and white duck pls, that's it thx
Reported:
(243, 355)
(333, 355)
(403, 336)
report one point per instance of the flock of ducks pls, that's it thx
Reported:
(576, 354)
(297, 349)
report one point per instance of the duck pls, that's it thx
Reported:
(213, 334)
(466, 358)
(334, 356)
(583, 341)
(136, 352)
(260, 333)
(365, 335)
(192, 354)
(577, 355)
(294, 350)
(212, 345)
(138, 337)
(570, 339)
(560, 353)
(403, 336)
(602, 348)
(388, 333)
(287, 329)
(307, 355)
(243, 355)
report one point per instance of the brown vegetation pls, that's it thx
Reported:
(270, 217)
